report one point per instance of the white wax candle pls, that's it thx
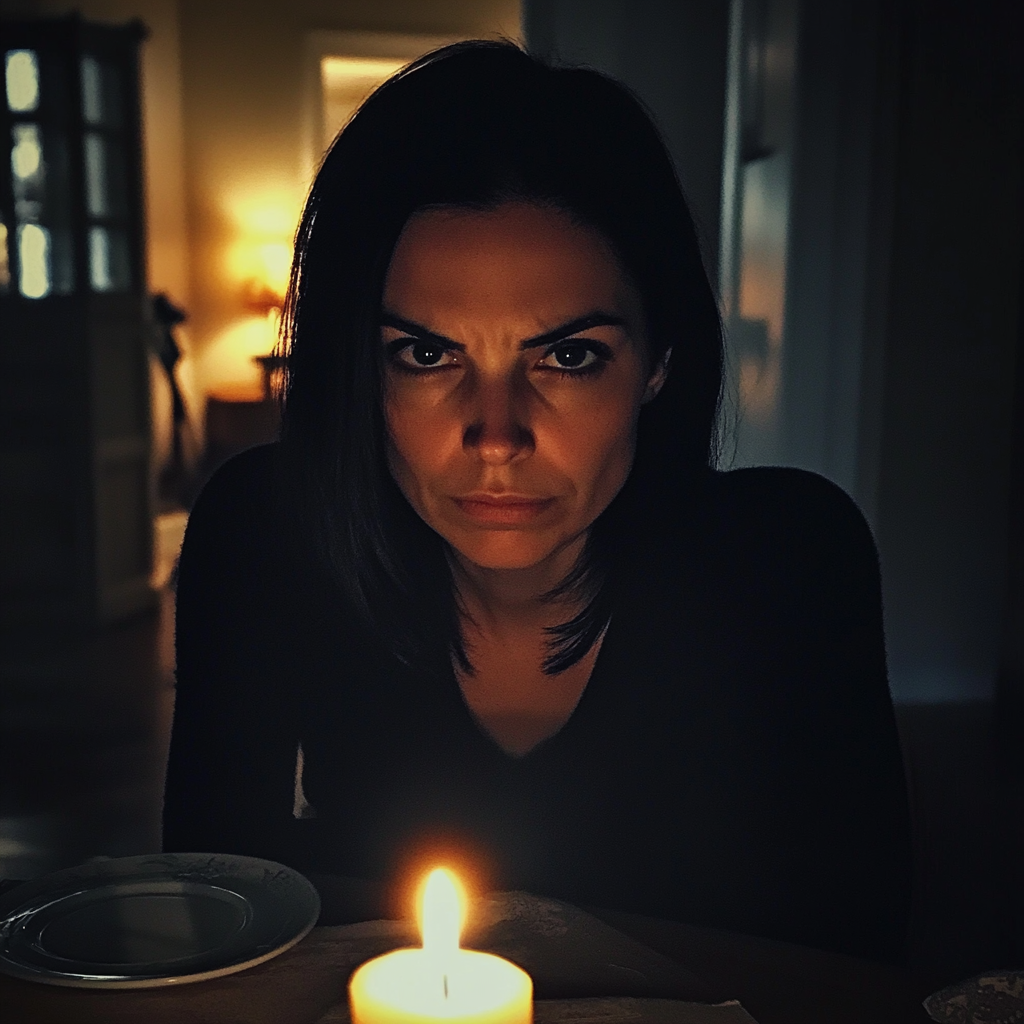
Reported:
(440, 982)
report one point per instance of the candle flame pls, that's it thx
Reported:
(442, 913)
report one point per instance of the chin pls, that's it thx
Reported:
(504, 550)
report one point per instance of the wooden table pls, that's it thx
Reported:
(780, 983)
(776, 982)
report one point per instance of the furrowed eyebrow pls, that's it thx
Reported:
(567, 330)
(583, 323)
(419, 331)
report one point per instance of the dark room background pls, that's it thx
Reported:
(855, 167)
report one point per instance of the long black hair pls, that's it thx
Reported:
(475, 124)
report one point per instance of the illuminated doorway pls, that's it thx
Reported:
(342, 69)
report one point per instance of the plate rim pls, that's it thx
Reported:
(106, 869)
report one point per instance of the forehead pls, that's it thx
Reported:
(514, 254)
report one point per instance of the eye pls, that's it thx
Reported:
(575, 356)
(422, 355)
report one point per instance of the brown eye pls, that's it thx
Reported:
(425, 354)
(421, 355)
(572, 357)
(575, 356)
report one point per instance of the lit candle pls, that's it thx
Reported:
(440, 982)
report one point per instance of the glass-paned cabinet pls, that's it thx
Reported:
(75, 506)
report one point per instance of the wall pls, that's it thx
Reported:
(902, 310)
(673, 55)
(839, 242)
(951, 332)
(757, 202)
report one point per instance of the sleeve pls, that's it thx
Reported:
(230, 773)
(849, 817)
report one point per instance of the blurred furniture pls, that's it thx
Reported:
(172, 475)
(238, 418)
(272, 371)
(75, 504)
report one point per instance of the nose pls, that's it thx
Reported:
(497, 428)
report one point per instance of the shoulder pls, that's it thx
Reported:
(790, 532)
(782, 486)
(782, 503)
(777, 525)
(244, 488)
(247, 477)
(238, 510)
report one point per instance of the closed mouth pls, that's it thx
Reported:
(502, 500)
(503, 509)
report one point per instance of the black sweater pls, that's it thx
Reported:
(733, 760)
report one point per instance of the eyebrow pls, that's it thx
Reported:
(566, 330)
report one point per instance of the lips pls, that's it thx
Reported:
(503, 509)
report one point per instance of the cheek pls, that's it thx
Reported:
(596, 445)
(418, 441)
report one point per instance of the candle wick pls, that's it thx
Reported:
(446, 986)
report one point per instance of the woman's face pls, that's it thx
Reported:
(516, 369)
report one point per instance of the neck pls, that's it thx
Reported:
(503, 601)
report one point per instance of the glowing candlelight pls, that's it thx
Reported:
(440, 981)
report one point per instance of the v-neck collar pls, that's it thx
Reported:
(580, 712)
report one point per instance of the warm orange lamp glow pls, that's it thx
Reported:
(252, 277)
(259, 257)
(440, 981)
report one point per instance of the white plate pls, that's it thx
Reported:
(163, 919)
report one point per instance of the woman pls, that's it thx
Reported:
(487, 599)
